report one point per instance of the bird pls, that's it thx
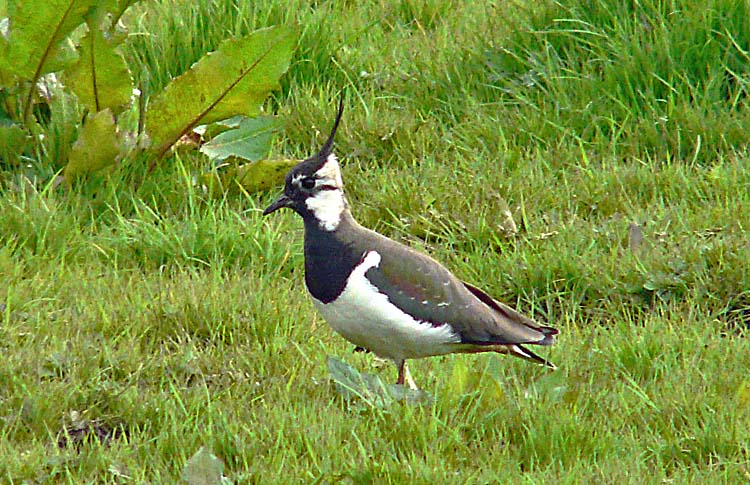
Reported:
(384, 296)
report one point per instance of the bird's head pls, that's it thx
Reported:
(313, 188)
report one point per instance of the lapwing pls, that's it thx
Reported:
(384, 296)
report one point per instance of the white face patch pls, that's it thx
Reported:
(330, 172)
(327, 206)
(366, 317)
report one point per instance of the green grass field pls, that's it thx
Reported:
(139, 325)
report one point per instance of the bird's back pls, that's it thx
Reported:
(426, 289)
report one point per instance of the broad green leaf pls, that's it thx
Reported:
(235, 79)
(209, 132)
(203, 468)
(37, 30)
(251, 140)
(97, 146)
(250, 177)
(370, 389)
(13, 140)
(100, 78)
(62, 58)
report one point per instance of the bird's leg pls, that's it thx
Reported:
(404, 376)
(409, 381)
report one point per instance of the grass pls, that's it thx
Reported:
(140, 325)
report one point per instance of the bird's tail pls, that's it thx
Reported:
(516, 350)
(549, 335)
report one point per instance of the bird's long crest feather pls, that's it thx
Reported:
(328, 147)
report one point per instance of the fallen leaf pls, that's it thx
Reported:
(635, 236)
(203, 468)
(507, 224)
(370, 389)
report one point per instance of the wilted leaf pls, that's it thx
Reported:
(203, 468)
(370, 389)
(251, 177)
(507, 224)
(97, 146)
(263, 174)
(13, 140)
(233, 80)
(37, 29)
(100, 78)
(251, 140)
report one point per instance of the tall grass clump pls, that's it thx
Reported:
(653, 78)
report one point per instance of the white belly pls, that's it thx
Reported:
(365, 317)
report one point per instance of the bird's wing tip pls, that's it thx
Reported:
(520, 351)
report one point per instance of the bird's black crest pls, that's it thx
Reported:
(328, 147)
(314, 163)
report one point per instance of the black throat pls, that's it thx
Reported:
(329, 261)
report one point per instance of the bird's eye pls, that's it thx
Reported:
(308, 183)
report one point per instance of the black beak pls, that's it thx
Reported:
(277, 204)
